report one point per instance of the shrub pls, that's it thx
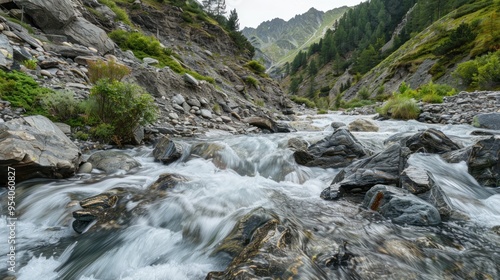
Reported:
(256, 67)
(122, 107)
(400, 107)
(432, 98)
(103, 132)
(322, 112)
(251, 81)
(107, 70)
(22, 91)
(30, 64)
(259, 102)
(364, 93)
(80, 135)
(481, 73)
(121, 15)
(61, 105)
(302, 100)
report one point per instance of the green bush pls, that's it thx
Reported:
(80, 135)
(106, 70)
(256, 67)
(30, 64)
(122, 107)
(121, 15)
(103, 133)
(432, 98)
(322, 112)
(22, 91)
(481, 73)
(259, 102)
(400, 107)
(61, 105)
(302, 100)
(363, 93)
(251, 81)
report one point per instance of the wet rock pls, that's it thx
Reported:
(488, 121)
(85, 168)
(37, 148)
(482, 160)
(167, 181)
(297, 144)
(400, 206)
(431, 141)
(415, 180)
(261, 122)
(363, 125)
(336, 150)
(167, 150)
(112, 161)
(336, 125)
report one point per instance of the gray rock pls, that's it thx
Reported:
(85, 168)
(138, 135)
(297, 144)
(26, 37)
(179, 108)
(20, 54)
(173, 116)
(6, 53)
(336, 125)
(334, 151)
(363, 125)
(87, 34)
(67, 51)
(226, 119)
(112, 161)
(415, 180)
(167, 150)
(194, 102)
(150, 61)
(37, 148)
(66, 129)
(178, 99)
(488, 121)
(431, 141)
(48, 14)
(190, 79)
(206, 113)
(401, 207)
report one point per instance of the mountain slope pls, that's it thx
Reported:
(281, 40)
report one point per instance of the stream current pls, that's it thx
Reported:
(176, 236)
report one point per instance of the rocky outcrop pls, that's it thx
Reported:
(60, 17)
(400, 206)
(37, 148)
(336, 150)
(488, 121)
(431, 141)
(6, 53)
(112, 161)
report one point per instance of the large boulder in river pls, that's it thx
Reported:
(112, 161)
(268, 124)
(337, 150)
(167, 150)
(482, 159)
(488, 121)
(400, 206)
(36, 148)
(431, 141)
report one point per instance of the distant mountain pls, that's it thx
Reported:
(279, 40)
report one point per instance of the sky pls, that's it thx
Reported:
(253, 12)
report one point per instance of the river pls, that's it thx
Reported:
(175, 237)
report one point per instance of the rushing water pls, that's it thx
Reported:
(176, 235)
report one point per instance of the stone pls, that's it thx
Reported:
(431, 141)
(77, 85)
(173, 116)
(48, 14)
(87, 34)
(297, 144)
(178, 99)
(45, 73)
(112, 161)
(68, 51)
(239, 88)
(20, 54)
(85, 168)
(193, 102)
(26, 37)
(401, 207)
(138, 135)
(6, 53)
(337, 150)
(190, 79)
(363, 125)
(150, 61)
(336, 125)
(226, 119)
(37, 148)
(178, 108)
(85, 60)
(66, 129)
(261, 122)
(206, 113)
(415, 180)
(487, 121)
(168, 151)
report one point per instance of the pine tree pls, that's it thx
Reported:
(233, 21)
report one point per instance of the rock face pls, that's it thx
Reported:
(59, 17)
(336, 150)
(112, 161)
(401, 207)
(37, 148)
(488, 121)
(431, 141)
(6, 53)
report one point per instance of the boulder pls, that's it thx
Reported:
(68, 51)
(482, 160)
(400, 206)
(36, 148)
(363, 125)
(415, 180)
(6, 53)
(336, 125)
(190, 79)
(488, 121)
(167, 150)
(297, 144)
(112, 161)
(337, 150)
(431, 141)
(178, 99)
(48, 14)
(85, 33)
(261, 122)
(206, 113)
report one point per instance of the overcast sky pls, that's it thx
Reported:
(253, 12)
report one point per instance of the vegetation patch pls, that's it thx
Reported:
(481, 73)
(400, 107)
(302, 100)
